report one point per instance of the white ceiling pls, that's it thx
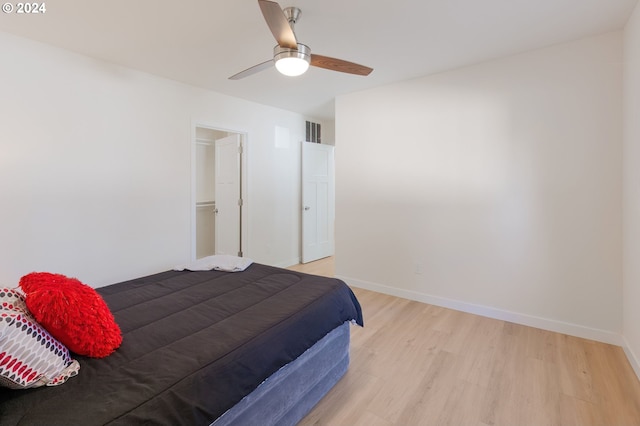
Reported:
(203, 42)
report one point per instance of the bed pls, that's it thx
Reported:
(260, 346)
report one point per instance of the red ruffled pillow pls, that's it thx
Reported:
(72, 312)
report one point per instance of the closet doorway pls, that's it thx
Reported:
(218, 187)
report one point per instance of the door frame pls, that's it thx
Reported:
(244, 173)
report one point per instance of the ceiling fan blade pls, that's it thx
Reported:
(278, 24)
(339, 65)
(253, 70)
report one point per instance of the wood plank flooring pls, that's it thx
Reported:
(419, 364)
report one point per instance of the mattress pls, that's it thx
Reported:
(195, 344)
(291, 392)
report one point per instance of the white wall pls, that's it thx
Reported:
(495, 188)
(95, 168)
(329, 132)
(631, 291)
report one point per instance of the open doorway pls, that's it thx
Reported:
(219, 207)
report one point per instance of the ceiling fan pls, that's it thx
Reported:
(290, 57)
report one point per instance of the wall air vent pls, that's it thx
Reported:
(313, 132)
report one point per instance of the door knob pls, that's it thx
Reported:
(307, 208)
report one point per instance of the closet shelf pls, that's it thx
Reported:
(201, 141)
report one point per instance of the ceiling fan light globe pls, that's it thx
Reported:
(292, 67)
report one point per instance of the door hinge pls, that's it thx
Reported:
(240, 254)
(240, 203)
(240, 149)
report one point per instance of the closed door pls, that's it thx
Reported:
(228, 196)
(318, 201)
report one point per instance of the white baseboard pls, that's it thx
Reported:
(486, 311)
(632, 357)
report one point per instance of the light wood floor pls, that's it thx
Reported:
(419, 364)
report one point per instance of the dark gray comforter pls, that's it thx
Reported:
(195, 343)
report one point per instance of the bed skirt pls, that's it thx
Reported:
(291, 392)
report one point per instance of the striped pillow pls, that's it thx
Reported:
(29, 355)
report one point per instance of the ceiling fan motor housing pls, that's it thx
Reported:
(303, 52)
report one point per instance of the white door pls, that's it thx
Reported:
(318, 202)
(228, 196)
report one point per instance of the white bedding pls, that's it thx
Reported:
(219, 262)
